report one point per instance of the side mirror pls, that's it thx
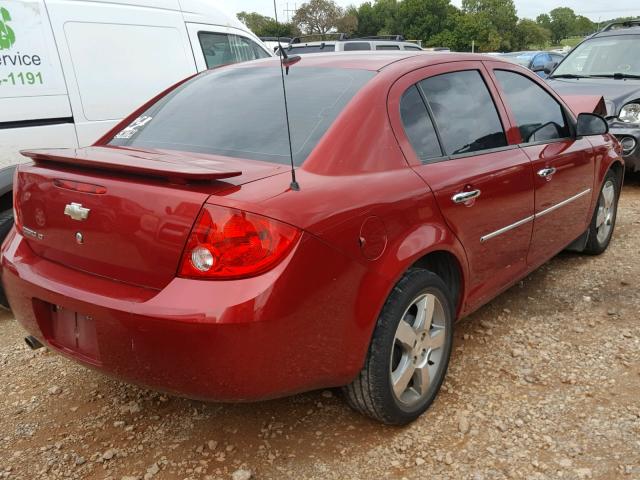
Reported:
(549, 67)
(539, 68)
(591, 124)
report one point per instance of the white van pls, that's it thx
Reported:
(71, 69)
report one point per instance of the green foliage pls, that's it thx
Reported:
(530, 35)
(493, 25)
(422, 19)
(266, 26)
(502, 16)
(562, 20)
(254, 21)
(318, 17)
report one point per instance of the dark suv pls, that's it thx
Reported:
(608, 63)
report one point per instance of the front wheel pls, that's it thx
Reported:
(604, 217)
(409, 352)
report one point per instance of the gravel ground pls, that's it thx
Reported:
(544, 383)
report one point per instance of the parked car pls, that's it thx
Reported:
(175, 252)
(342, 43)
(535, 61)
(72, 70)
(608, 64)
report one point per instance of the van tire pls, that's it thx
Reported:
(6, 222)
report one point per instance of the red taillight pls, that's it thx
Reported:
(226, 243)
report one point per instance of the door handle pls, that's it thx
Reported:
(547, 172)
(464, 197)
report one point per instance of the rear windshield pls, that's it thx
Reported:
(239, 112)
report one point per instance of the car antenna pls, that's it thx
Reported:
(287, 61)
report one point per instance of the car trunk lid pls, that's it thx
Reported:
(122, 214)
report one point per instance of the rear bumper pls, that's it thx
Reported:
(283, 332)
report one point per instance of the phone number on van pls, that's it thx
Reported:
(28, 78)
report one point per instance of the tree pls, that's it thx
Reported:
(422, 19)
(318, 17)
(254, 21)
(348, 23)
(544, 21)
(531, 35)
(466, 29)
(562, 23)
(266, 26)
(379, 18)
(273, 29)
(583, 26)
(500, 13)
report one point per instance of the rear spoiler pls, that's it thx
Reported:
(156, 164)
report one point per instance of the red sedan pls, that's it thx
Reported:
(174, 253)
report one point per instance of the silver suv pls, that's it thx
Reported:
(341, 43)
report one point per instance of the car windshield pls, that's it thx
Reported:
(239, 112)
(603, 56)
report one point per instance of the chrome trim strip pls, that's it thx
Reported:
(532, 217)
(506, 229)
(562, 204)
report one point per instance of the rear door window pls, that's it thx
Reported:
(221, 49)
(387, 47)
(355, 46)
(539, 116)
(323, 48)
(419, 126)
(464, 112)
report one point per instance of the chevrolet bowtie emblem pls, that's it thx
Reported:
(76, 211)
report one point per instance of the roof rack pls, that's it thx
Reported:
(318, 37)
(276, 39)
(392, 38)
(623, 24)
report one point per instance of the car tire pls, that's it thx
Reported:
(6, 222)
(604, 217)
(409, 351)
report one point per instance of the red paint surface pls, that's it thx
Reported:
(307, 322)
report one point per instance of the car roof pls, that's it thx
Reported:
(626, 27)
(617, 32)
(375, 61)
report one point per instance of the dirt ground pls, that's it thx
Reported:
(544, 384)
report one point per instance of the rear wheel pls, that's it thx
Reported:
(6, 222)
(409, 352)
(604, 218)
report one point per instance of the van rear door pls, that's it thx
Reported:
(117, 55)
(34, 105)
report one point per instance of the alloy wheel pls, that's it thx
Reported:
(418, 346)
(606, 211)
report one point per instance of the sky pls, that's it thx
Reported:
(596, 10)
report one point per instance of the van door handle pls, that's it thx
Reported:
(547, 172)
(464, 197)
